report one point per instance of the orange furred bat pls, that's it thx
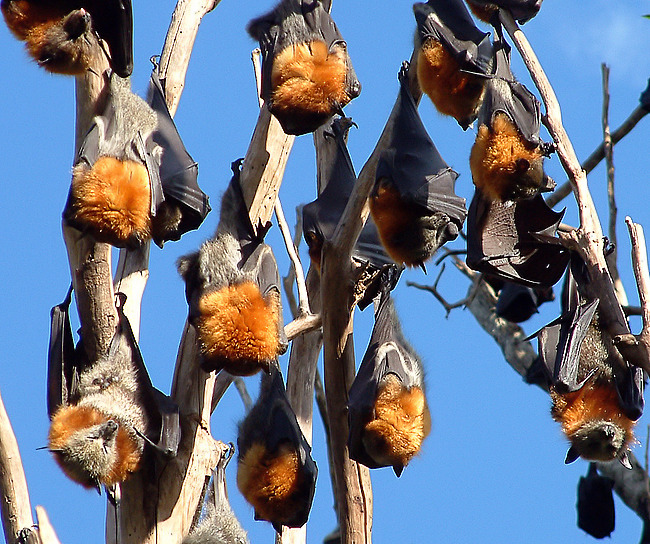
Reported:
(275, 471)
(63, 35)
(453, 58)
(307, 75)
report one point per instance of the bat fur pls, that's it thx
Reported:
(237, 325)
(504, 166)
(112, 198)
(592, 418)
(95, 441)
(454, 93)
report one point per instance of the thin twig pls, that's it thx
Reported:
(448, 306)
(287, 281)
(303, 299)
(243, 393)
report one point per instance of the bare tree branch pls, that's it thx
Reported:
(45, 529)
(640, 265)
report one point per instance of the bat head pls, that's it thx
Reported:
(91, 448)
(599, 440)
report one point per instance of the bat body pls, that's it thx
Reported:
(218, 523)
(133, 179)
(413, 202)
(507, 157)
(61, 34)
(103, 412)
(596, 511)
(321, 216)
(307, 75)
(518, 303)
(275, 471)
(453, 55)
(515, 241)
(232, 289)
(597, 397)
(388, 413)
(521, 10)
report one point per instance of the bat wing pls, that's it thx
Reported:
(449, 22)
(164, 430)
(62, 361)
(518, 303)
(113, 21)
(501, 241)
(176, 169)
(413, 164)
(595, 506)
(644, 99)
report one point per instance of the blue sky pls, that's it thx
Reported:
(492, 469)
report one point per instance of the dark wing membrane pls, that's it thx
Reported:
(449, 22)
(178, 172)
(113, 21)
(502, 240)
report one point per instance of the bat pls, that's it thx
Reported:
(453, 55)
(307, 75)
(275, 471)
(133, 179)
(515, 241)
(596, 511)
(387, 408)
(597, 396)
(218, 523)
(104, 413)
(521, 10)
(321, 216)
(61, 35)
(507, 157)
(413, 202)
(518, 303)
(232, 286)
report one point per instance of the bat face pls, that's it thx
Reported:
(387, 410)
(452, 55)
(60, 36)
(307, 75)
(275, 471)
(413, 202)
(91, 448)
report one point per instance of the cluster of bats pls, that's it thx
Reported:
(134, 181)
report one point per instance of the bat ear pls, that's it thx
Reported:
(571, 455)
(398, 469)
(548, 184)
(625, 460)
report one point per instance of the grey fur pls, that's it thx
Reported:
(220, 526)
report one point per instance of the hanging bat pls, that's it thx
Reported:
(413, 202)
(521, 10)
(275, 472)
(307, 75)
(453, 58)
(104, 413)
(597, 396)
(517, 303)
(61, 35)
(133, 180)
(233, 292)
(514, 241)
(596, 511)
(321, 216)
(218, 523)
(387, 408)
(507, 157)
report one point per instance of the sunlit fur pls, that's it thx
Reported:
(113, 199)
(593, 421)
(85, 459)
(55, 36)
(409, 233)
(452, 92)
(308, 81)
(484, 13)
(504, 166)
(400, 424)
(271, 482)
(238, 328)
